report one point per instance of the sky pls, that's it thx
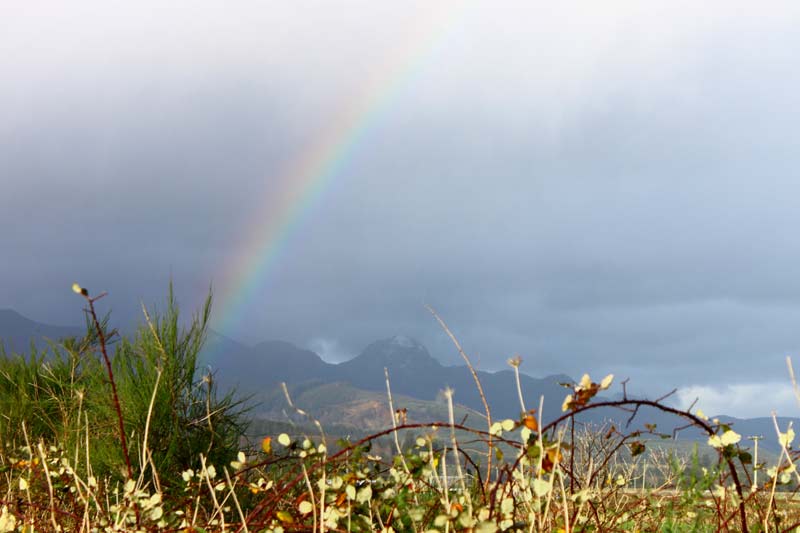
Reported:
(597, 187)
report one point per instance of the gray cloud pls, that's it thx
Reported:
(602, 190)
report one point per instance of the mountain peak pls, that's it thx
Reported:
(396, 352)
(406, 342)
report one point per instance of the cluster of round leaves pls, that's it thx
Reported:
(584, 391)
(415, 491)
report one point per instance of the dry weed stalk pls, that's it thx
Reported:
(461, 352)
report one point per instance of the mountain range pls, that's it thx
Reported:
(412, 370)
(354, 393)
(18, 332)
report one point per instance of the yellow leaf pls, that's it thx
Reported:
(785, 439)
(567, 403)
(540, 487)
(554, 454)
(80, 290)
(285, 517)
(730, 437)
(8, 522)
(266, 445)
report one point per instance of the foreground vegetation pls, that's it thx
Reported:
(108, 433)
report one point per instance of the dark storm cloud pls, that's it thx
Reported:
(602, 191)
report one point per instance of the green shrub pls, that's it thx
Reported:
(62, 394)
(188, 418)
(41, 394)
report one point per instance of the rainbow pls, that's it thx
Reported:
(307, 178)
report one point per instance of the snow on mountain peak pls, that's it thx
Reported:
(405, 342)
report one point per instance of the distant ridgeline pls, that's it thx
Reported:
(353, 393)
(17, 332)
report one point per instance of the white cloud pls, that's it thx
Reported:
(329, 350)
(743, 400)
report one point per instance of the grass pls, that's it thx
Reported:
(185, 467)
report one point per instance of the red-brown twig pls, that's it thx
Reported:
(102, 337)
